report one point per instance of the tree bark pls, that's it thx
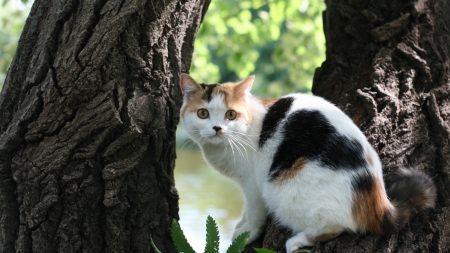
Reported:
(387, 66)
(88, 118)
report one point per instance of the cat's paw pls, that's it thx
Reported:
(296, 242)
(255, 231)
(292, 246)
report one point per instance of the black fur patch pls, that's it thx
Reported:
(411, 187)
(308, 134)
(276, 113)
(363, 183)
(391, 223)
(409, 191)
(209, 88)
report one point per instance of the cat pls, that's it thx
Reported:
(300, 159)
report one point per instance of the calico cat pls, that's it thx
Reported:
(301, 159)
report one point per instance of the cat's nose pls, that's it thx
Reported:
(217, 128)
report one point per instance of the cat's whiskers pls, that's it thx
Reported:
(203, 140)
(184, 144)
(241, 136)
(198, 137)
(239, 143)
(224, 153)
(243, 133)
(232, 149)
(248, 142)
(236, 145)
(188, 145)
(243, 139)
(243, 143)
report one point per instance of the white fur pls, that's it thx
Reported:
(315, 201)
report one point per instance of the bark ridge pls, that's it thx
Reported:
(89, 113)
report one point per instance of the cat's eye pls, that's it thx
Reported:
(231, 114)
(202, 113)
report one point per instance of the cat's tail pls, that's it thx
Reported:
(409, 191)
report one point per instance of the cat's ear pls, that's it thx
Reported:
(243, 88)
(188, 85)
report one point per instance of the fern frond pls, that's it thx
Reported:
(179, 239)
(238, 244)
(264, 250)
(212, 236)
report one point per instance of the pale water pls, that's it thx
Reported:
(204, 192)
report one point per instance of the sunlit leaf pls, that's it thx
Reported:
(179, 239)
(212, 236)
(264, 250)
(12, 20)
(284, 35)
(238, 244)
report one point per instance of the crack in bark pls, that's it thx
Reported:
(411, 55)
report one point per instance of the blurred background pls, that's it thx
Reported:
(281, 42)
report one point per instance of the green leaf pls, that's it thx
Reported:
(264, 250)
(212, 236)
(303, 251)
(179, 239)
(154, 246)
(238, 244)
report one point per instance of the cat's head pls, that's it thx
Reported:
(217, 114)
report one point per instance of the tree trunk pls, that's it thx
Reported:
(387, 66)
(88, 118)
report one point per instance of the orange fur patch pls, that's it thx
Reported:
(227, 91)
(290, 173)
(195, 103)
(267, 102)
(369, 208)
(321, 238)
(234, 102)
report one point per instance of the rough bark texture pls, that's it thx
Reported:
(388, 67)
(88, 118)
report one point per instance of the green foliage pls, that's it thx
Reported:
(280, 41)
(179, 239)
(12, 20)
(154, 246)
(212, 239)
(238, 244)
(264, 250)
(212, 236)
(4, 2)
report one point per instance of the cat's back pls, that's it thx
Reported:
(300, 129)
(313, 153)
(308, 118)
(324, 113)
